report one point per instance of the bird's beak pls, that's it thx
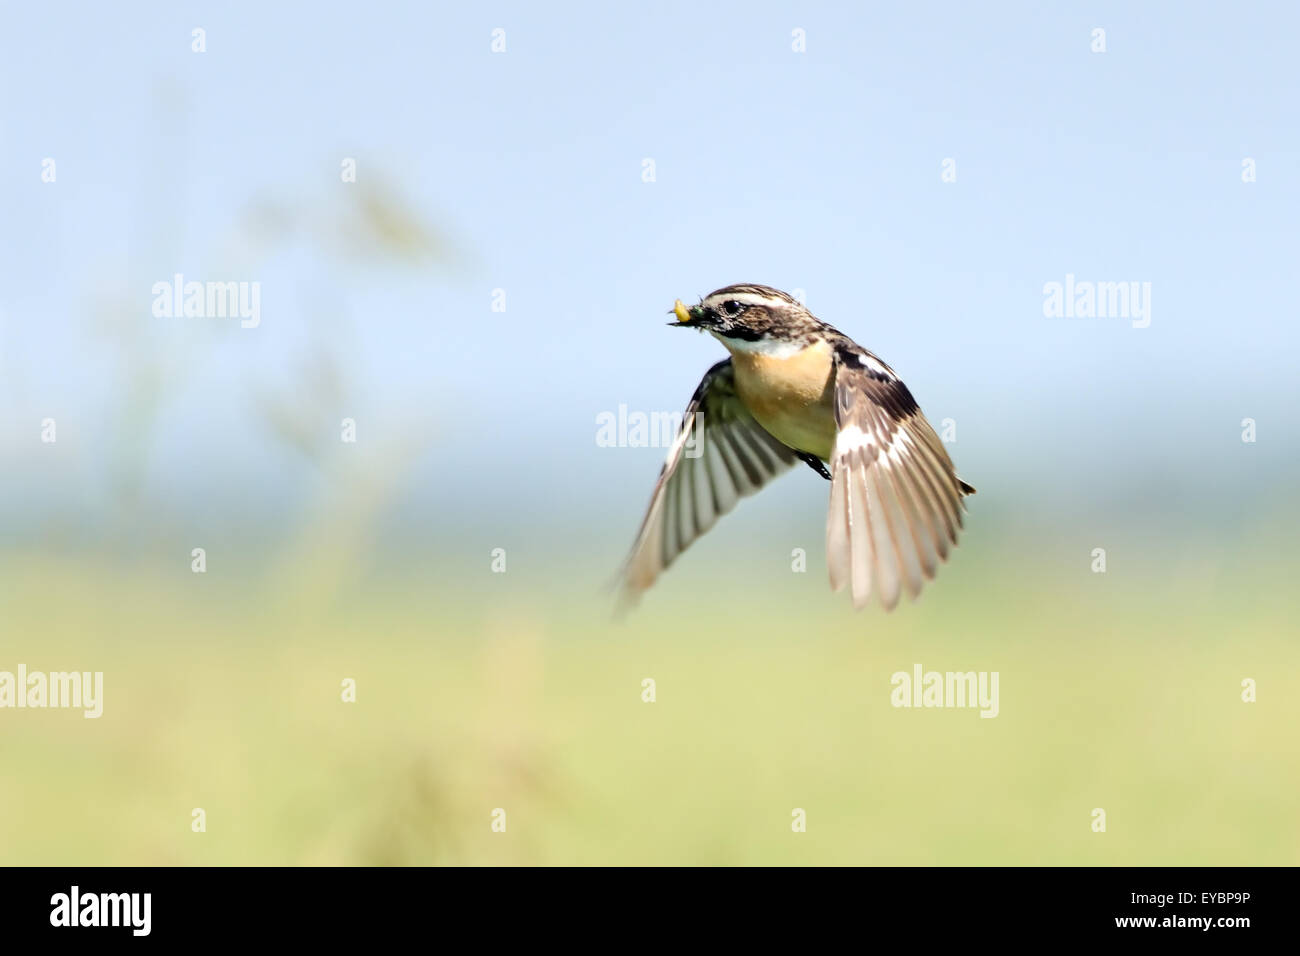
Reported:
(684, 315)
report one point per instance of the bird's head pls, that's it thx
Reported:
(740, 314)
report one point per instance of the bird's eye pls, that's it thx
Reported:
(732, 308)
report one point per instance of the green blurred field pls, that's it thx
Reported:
(1116, 692)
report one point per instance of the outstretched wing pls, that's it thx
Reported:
(721, 455)
(896, 501)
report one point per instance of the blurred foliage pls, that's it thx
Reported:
(477, 692)
(343, 232)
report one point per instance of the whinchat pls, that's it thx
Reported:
(796, 389)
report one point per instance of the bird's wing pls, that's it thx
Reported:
(896, 501)
(731, 456)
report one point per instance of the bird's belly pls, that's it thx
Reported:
(791, 397)
(803, 429)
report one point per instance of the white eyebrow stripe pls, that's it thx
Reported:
(744, 298)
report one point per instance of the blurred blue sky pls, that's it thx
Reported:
(816, 170)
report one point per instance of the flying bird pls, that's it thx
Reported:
(795, 389)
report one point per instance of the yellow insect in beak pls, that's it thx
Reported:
(680, 311)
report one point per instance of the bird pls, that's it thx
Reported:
(795, 389)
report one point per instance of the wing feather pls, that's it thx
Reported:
(896, 501)
(732, 457)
